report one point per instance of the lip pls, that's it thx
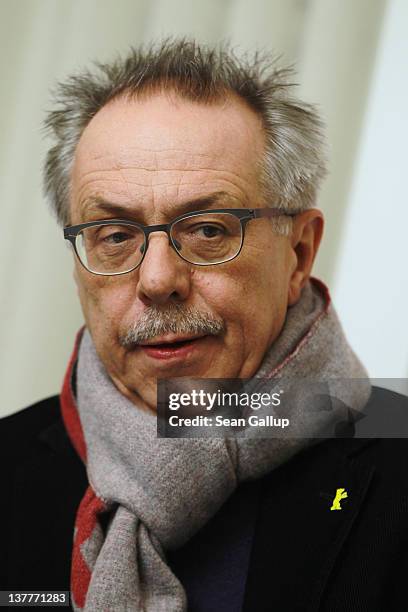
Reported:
(172, 338)
(169, 347)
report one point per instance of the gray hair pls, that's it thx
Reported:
(294, 161)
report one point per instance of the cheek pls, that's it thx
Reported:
(243, 295)
(251, 292)
(106, 302)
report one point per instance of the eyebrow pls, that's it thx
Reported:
(99, 204)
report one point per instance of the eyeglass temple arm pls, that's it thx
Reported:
(271, 212)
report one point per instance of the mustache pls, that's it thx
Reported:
(175, 318)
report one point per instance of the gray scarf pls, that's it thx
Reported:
(160, 492)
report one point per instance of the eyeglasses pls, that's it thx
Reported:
(203, 238)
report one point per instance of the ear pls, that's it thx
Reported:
(307, 230)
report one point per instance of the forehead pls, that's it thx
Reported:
(165, 120)
(163, 141)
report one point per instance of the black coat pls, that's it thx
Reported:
(274, 546)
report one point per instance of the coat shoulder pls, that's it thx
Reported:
(386, 398)
(20, 430)
(387, 415)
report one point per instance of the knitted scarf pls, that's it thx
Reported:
(157, 492)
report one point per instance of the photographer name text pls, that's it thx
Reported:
(220, 421)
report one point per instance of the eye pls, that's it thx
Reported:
(210, 231)
(116, 238)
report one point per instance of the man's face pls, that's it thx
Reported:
(153, 157)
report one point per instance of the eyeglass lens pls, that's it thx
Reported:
(200, 239)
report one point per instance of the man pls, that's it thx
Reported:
(186, 181)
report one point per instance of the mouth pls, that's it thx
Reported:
(172, 347)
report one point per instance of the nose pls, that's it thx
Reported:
(163, 275)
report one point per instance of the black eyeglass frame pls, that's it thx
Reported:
(243, 214)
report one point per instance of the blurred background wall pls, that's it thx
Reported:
(351, 57)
